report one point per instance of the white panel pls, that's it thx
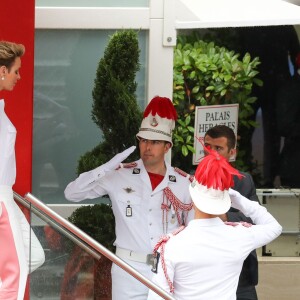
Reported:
(160, 66)
(156, 9)
(91, 18)
(169, 33)
(234, 13)
(160, 71)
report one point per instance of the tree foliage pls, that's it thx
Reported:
(115, 110)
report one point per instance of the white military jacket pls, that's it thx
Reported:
(204, 260)
(140, 220)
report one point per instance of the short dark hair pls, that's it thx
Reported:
(222, 131)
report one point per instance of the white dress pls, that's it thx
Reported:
(21, 252)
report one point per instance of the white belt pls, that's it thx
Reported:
(135, 256)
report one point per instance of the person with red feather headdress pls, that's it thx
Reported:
(149, 197)
(222, 139)
(204, 259)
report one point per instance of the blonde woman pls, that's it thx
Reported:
(21, 252)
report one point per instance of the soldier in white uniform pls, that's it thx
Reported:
(204, 260)
(149, 197)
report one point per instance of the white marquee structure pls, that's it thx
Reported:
(163, 18)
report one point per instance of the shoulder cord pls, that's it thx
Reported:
(161, 244)
(177, 204)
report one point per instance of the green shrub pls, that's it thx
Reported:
(115, 110)
(97, 221)
(207, 74)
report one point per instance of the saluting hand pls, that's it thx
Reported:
(114, 163)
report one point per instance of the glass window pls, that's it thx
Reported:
(65, 67)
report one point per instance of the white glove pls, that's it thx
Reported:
(114, 163)
(234, 194)
(235, 197)
(83, 186)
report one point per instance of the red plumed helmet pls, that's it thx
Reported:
(163, 107)
(158, 120)
(213, 178)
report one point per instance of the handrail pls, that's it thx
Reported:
(278, 192)
(95, 245)
(60, 229)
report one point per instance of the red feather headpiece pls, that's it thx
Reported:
(213, 178)
(214, 171)
(159, 120)
(161, 106)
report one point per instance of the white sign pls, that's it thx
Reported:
(210, 116)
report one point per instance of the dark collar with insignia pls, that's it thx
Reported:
(172, 178)
(136, 171)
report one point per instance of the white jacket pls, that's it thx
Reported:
(132, 187)
(205, 259)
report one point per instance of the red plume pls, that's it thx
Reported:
(215, 171)
(162, 106)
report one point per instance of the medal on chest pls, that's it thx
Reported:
(128, 210)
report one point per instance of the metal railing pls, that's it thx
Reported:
(276, 195)
(83, 240)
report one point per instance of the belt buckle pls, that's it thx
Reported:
(150, 260)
